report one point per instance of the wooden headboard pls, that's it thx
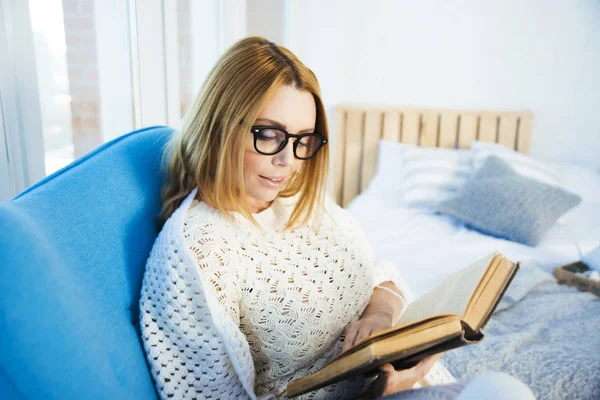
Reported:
(358, 131)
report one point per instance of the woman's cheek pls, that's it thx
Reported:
(298, 165)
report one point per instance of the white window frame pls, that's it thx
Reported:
(152, 91)
(22, 155)
(137, 45)
(5, 183)
(111, 18)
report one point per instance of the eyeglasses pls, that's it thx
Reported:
(269, 140)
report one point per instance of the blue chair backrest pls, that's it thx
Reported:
(72, 254)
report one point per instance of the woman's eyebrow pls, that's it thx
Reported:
(280, 125)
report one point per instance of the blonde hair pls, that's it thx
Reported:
(208, 152)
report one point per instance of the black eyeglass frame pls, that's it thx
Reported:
(257, 129)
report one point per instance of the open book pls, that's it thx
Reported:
(449, 316)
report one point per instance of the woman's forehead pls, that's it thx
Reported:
(294, 109)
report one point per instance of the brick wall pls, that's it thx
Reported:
(80, 37)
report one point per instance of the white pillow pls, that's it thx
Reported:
(583, 180)
(419, 177)
(522, 164)
(433, 174)
(583, 222)
(386, 184)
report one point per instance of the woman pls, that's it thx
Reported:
(257, 278)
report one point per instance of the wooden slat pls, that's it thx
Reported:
(487, 128)
(467, 131)
(429, 129)
(353, 155)
(372, 134)
(350, 107)
(391, 126)
(356, 151)
(524, 136)
(448, 129)
(411, 127)
(338, 157)
(507, 131)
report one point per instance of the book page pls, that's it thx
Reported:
(451, 296)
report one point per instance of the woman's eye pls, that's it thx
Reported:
(305, 141)
(267, 135)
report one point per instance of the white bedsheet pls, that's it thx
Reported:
(427, 247)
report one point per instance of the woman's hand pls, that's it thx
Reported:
(391, 381)
(382, 312)
(356, 331)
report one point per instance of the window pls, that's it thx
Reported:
(83, 72)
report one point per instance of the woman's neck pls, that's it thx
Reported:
(254, 205)
(257, 207)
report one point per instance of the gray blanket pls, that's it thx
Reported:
(545, 334)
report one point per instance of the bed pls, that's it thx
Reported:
(544, 333)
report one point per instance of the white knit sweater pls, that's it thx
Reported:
(232, 311)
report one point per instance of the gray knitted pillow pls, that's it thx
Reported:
(499, 202)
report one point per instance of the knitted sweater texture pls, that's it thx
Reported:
(229, 310)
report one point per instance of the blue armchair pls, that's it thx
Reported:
(72, 254)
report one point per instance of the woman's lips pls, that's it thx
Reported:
(272, 182)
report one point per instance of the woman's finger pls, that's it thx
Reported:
(387, 368)
(430, 360)
(425, 365)
(362, 333)
(351, 330)
(406, 376)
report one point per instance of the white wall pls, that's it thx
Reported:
(266, 18)
(538, 55)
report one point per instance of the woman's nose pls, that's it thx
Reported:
(286, 156)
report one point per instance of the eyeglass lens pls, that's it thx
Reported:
(270, 141)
